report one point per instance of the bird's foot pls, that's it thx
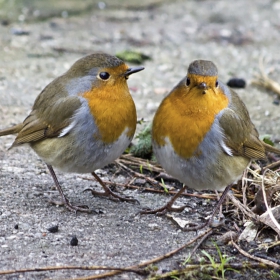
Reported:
(74, 208)
(168, 207)
(108, 193)
(212, 223)
(111, 195)
(163, 210)
(64, 201)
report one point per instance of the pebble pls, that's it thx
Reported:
(53, 229)
(74, 241)
(236, 83)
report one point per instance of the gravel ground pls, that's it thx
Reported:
(232, 34)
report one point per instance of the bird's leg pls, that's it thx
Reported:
(167, 207)
(221, 206)
(209, 222)
(107, 192)
(65, 201)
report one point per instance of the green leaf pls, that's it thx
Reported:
(133, 56)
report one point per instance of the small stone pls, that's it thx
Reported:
(236, 83)
(53, 229)
(74, 241)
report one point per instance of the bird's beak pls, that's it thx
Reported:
(132, 70)
(202, 86)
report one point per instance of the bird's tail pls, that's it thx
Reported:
(268, 148)
(11, 130)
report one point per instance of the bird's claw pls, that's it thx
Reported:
(163, 210)
(111, 195)
(71, 207)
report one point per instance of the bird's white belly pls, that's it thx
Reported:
(211, 170)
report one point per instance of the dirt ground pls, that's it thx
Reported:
(39, 43)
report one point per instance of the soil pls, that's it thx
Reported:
(40, 42)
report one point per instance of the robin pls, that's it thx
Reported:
(82, 120)
(203, 135)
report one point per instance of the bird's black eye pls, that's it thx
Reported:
(104, 75)
(188, 81)
(217, 84)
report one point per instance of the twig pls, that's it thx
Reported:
(265, 218)
(242, 208)
(266, 257)
(131, 160)
(264, 81)
(244, 253)
(145, 189)
(147, 263)
(115, 270)
(200, 242)
(244, 187)
(139, 175)
(268, 208)
(48, 268)
(269, 166)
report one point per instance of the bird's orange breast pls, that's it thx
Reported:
(113, 111)
(185, 119)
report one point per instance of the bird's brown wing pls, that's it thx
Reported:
(241, 135)
(47, 122)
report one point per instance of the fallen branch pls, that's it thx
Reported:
(137, 162)
(263, 80)
(244, 253)
(69, 267)
(245, 210)
(270, 219)
(147, 263)
(115, 270)
(269, 166)
(145, 189)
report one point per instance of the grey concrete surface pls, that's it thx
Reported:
(233, 34)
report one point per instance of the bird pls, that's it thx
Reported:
(203, 136)
(82, 121)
